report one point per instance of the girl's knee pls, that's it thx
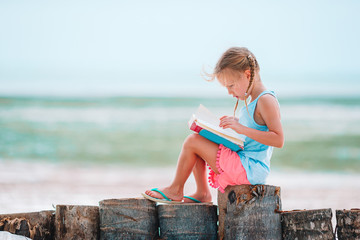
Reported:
(192, 140)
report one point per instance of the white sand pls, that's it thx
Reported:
(28, 187)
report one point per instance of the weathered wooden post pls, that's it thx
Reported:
(348, 224)
(307, 224)
(76, 222)
(35, 225)
(128, 218)
(249, 212)
(188, 221)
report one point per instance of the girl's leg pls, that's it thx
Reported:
(202, 193)
(194, 147)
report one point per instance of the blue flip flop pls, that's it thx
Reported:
(196, 201)
(193, 199)
(160, 200)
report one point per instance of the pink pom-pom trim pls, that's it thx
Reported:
(213, 177)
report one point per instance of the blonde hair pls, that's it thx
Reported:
(237, 59)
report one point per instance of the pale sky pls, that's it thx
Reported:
(160, 47)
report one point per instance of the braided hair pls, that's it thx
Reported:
(252, 63)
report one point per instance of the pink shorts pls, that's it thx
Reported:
(230, 168)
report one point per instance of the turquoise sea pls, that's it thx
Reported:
(322, 134)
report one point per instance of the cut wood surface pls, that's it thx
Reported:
(307, 224)
(76, 222)
(188, 221)
(249, 212)
(35, 225)
(128, 218)
(348, 224)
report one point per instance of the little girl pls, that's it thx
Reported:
(259, 123)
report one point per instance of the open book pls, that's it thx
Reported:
(207, 125)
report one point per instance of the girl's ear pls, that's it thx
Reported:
(247, 74)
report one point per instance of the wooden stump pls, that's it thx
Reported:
(188, 221)
(35, 225)
(76, 222)
(307, 224)
(128, 218)
(249, 212)
(348, 224)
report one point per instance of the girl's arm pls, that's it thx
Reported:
(269, 112)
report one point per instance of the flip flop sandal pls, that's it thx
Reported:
(195, 200)
(160, 200)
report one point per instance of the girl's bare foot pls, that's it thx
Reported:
(172, 194)
(202, 197)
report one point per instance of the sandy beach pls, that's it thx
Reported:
(27, 187)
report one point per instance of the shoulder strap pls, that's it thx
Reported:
(253, 104)
(265, 92)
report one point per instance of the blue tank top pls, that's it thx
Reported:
(256, 156)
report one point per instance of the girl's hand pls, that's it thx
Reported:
(230, 122)
(237, 119)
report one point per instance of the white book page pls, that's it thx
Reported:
(204, 116)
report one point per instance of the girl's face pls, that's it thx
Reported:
(236, 83)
